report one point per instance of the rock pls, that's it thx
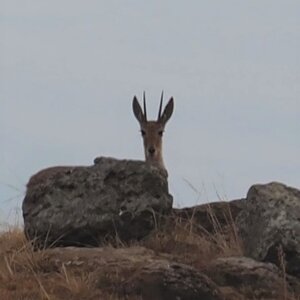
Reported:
(166, 280)
(135, 271)
(252, 279)
(211, 217)
(102, 259)
(85, 206)
(269, 225)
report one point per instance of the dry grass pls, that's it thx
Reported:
(28, 274)
(190, 243)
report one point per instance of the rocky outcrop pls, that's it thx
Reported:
(250, 247)
(137, 271)
(269, 225)
(140, 272)
(82, 206)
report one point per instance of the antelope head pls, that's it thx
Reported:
(152, 131)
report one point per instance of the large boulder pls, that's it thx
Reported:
(82, 206)
(269, 225)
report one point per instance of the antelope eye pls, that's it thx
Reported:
(160, 132)
(143, 132)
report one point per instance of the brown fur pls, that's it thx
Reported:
(152, 131)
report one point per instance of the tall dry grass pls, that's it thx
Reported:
(26, 273)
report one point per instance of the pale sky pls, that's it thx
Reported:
(69, 71)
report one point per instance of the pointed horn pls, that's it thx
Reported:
(145, 111)
(160, 105)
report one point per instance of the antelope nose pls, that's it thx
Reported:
(151, 150)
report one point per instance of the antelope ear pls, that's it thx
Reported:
(137, 110)
(168, 111)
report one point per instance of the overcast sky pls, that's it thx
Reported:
(69, 71)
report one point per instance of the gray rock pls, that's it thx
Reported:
(269, 225)
(252, 279)
(168, 280)
(88, 205)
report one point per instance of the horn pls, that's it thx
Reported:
(145, 111)
(160, 105)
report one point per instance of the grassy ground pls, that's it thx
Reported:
(28, 274)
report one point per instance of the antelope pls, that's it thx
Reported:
(152, 131)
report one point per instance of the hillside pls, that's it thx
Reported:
(184, 254)
(109, 231)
